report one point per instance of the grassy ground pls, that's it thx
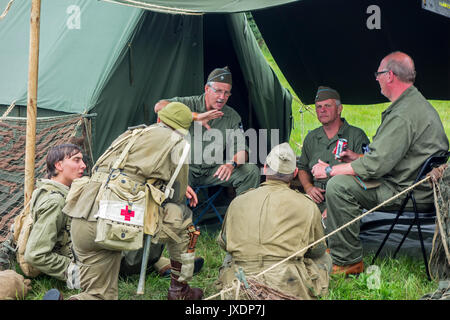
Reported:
(400, 279)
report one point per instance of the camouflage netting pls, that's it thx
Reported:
(440, 259)
(439, 262)
(49, 132)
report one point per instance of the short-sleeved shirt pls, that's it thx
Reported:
(208, 147)
(317, 146)
(409, 133)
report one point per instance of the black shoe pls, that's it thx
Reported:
(53, 294)
(198, 264)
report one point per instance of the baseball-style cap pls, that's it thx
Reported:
(282, 159)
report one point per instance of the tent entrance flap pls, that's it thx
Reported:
(171, 56)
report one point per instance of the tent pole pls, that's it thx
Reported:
(33, 60)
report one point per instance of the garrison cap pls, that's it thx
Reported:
(282, 159)
(325, 93)
(220, 75)
(176, 115)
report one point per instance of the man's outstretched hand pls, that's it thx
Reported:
(208, 115)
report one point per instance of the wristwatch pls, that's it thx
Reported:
(328, 171)
(234, 164)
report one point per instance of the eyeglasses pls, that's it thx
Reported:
(220, 92)
(377, 73)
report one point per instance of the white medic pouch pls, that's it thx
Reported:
(120, 218)
(123, 203)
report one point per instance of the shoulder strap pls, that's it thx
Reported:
(133, 136)
(168, 191)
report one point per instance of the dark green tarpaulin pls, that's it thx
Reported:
(119, 61)
(328, 42)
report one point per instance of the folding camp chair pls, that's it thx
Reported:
(208, 203)
(429, 164)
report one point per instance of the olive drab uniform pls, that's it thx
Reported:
(409, 133)
(317, 146)
(48, 247)
(154, 155)
(268, 224)
(201, 172)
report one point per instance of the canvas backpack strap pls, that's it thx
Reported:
(138, 130)
(168, 192)
(111, 149)
(120, 160)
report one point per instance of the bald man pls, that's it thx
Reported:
(410, 132)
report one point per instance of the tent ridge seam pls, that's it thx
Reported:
(157, 8)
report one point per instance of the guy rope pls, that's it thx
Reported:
(8, 6)
(237, 284)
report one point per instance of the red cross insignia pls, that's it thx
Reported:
(127, 213)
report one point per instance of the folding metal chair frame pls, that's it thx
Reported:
(429, 164)
(208, 203)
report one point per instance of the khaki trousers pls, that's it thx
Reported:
(100, 267)
(346, 199)
(99, 271)
(243, 178)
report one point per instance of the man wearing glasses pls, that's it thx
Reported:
(210, 111)
(410, 132)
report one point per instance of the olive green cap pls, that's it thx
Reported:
(176, 115)
(282, 159)
(220, 75)
(325, 93)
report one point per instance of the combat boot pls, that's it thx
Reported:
(181, 290)
(355, 268)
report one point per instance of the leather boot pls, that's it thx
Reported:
(181, 290)
(355, 268)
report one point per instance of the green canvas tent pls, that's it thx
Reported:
(118, 61)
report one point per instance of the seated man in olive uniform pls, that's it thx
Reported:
(49, 247)
(410, 132)
(320, 142)
(212, 170)
(266, 225)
